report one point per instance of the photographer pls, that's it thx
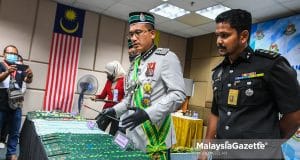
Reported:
(12, 76)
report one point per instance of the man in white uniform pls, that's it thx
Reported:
(155, 89)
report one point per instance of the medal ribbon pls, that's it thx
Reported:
(156, 137)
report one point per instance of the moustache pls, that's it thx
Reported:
(221, 47)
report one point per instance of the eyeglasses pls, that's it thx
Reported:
(137, 33)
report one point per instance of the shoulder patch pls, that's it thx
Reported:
(162, 51)
(267, 53)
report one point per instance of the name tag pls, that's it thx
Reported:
(121, 140)
(233, 97)
(115, 95)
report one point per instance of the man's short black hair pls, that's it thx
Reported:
(13, 46)
(149, 26)
(238, 19)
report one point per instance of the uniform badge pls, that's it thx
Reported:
(249, 92)
(146, 99)
(150, 69)
(142, 17)
(147, 87)
(233, 97)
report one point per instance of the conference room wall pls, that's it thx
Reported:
(125, 60)
(203, 59)
(29, 25)
(17, 23)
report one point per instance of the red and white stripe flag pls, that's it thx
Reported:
(63, 60)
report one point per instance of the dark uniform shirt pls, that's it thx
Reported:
(249, 94)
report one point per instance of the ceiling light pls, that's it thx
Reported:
(169, 11)
(212, 12)
(165, 0)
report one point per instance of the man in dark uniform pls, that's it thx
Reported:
(250, 87)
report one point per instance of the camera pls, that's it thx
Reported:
(22, 67)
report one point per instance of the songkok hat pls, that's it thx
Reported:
(141, 17)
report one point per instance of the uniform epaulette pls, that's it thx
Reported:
(162, 51)
(267, 53)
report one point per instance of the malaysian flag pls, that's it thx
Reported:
(63, 60)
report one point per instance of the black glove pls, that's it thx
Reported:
(104, 117)
(122, 130)
(137, 118)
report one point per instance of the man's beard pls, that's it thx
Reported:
(232, 50)
(224, 53)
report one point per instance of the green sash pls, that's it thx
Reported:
(156, 146)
